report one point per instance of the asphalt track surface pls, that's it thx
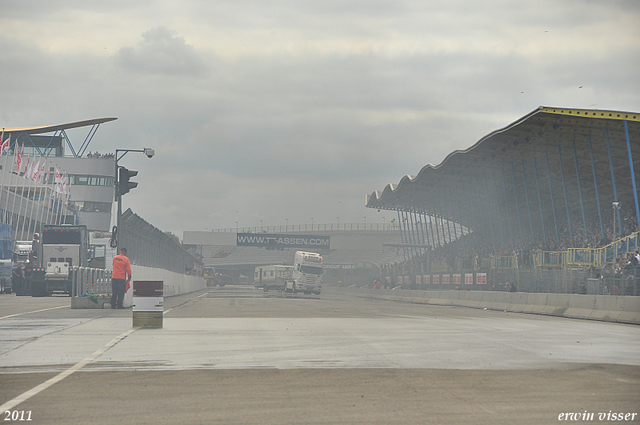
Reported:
(237, 356)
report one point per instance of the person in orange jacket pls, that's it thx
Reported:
(119, 278)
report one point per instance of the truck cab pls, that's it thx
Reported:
(62, 250)
(307, 272)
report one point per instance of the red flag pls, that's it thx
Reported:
(5, 145)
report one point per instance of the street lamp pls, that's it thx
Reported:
(122, 186)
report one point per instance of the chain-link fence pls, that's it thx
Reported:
(149, 246)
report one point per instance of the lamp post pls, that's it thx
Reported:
(115, 238)
(616, 207)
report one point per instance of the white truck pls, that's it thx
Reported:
(304, 276)
(21, 251)
(63, 249)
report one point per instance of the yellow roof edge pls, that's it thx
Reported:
(593, 113)
(56, 127)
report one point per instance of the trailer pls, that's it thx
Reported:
(272, 277)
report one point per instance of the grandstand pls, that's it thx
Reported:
(554, 190)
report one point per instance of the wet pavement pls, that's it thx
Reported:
(335, 339)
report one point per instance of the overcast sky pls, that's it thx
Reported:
(294, 110)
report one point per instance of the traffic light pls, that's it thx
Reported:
(124, 185)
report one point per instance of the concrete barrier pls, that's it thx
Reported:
(518, 302)
(502, 301)
(536, 304)
(630, 310)
(624, 309)
(581, 306)
(558, 304)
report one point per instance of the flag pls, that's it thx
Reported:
(18, 161)
(65, 188)
(5, 144)
(127, 287)
(26, 168)
(42, 173)
(35, 171)
(58, 182)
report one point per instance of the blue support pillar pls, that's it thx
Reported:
(419, 234)
(475, 221)
(506, 207)
(431, 224)
(425, 231)
(526, 194)
(633, 176)
(442, 213)
(497, 203)
(412, 235)
(515, 195)
(564, 189)
(584, 221)
(595, 184)
(488, 215)
(465, 242)
(544, 231)
(402, 237)
(553, 206)
(425, 235)
(613, 180)
(434, 225)
(452, 214)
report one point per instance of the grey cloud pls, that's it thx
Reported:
(162, 52)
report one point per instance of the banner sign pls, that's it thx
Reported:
(468, 278)
(339, 266)
(436, 279)
(427, 279)
(275, 241)
(445, 279)
(481, 278)
(456, 279)
(419, 279)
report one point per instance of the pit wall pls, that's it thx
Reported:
(174, 283)
(612, 308)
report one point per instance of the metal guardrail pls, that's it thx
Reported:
(510, 262)
(90, 281)
(598, 257)
(550, 259)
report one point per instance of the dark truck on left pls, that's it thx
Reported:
(61, 251)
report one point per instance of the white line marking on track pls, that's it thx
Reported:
(36, 311)
(38, 389)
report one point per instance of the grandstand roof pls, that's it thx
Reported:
(58, 130)
(57, 127)
(544, 158)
